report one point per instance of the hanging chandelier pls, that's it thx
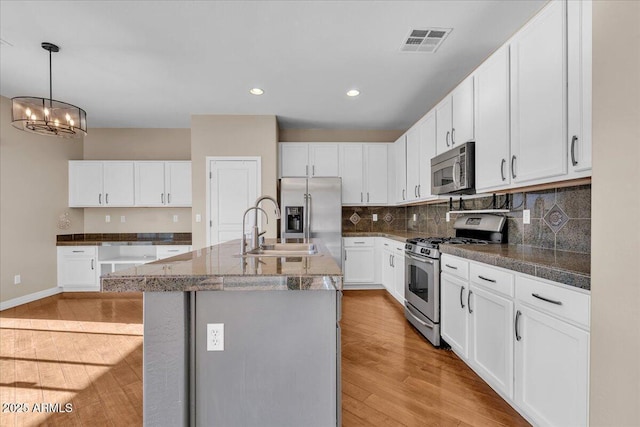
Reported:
(46, 116)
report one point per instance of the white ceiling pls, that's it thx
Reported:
(155, 63)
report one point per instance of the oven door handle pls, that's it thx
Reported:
(426, 261)
(410, 311)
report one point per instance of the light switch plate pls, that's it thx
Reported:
(122, 218)
(448, 217)
(107, 218)
(175, 218)
(415, 217)
(526, 216)
(198, 218)
(215, 336)
(17, 280)
(375, 217)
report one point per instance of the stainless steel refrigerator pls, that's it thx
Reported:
(312, 209)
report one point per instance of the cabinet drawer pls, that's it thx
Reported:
(455, 266)
(491, 278)
(358, 241)
(169, 251)
(86, 251)
(571, 305)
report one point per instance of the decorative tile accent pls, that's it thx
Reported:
(388, 218)
(556, 218)
(355, 218)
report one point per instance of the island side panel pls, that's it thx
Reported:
(279, 366)
(166, 359)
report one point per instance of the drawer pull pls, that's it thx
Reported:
(78, 252)
(359, 243)
(451, 266)
(547, 299)
(488, 280)
(516, 324)
(173, 250)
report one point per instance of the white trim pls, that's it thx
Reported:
(29, 298)
(208, 160)
(82, 288)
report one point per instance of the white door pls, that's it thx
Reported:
(323, 160)
(234, 187)
(400, 148)
(453, 313)
(375, 173)
(294, 160)
(358, 265)
(398, 273)
(413, 162)
(492, 122)
(118, 183)
(85, 183)
(388, 278)
(443, 125)
(149, 184)
(538, 97)
(491, 338)
(552, 371)
(352, 172)
(427, 152)
(462, 112)
(178, 183)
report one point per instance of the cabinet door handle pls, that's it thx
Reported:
(162, 198)
(461, 291)
(306, 170)
(367, 197)
(453, 132)
(446, 139)
(403, 194)
(345, 255)
(168, 198)
(517, 324)
(469, 301)
(361, 199)
(313, 170)
(100, 198)
(106, 198)
(415, 191)
(451, 266)
(574, 139)
(418, 190)
(92, 264)
(513, 166)
(547, 299)
(488, 280)
(393, 261)
(504, 162)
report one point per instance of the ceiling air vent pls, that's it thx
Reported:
(426, 40)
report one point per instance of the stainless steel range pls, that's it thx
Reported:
(422, 275)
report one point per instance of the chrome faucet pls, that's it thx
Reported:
(256, 237)
(254, 231)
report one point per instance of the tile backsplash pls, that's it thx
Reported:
(560, 218)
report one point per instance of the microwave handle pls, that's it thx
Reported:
(455, 181)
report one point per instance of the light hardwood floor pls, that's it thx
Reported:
(86, 349)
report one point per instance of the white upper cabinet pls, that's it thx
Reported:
(97, 183)
(413, 163)
(454, 117)
(427, 152)
(400, 148)
(352, 173)
(163, 183)
(538, 97)
(492, 132)
(579, 24)
(364, 173)
(308, 160)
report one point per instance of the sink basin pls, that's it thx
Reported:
(285, 249)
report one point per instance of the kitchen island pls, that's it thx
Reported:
(277, 361)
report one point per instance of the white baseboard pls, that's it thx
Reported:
(29, 298)
(360, 287)
(80, 289)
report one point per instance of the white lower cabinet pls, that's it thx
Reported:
(528, 338)
(358, 261)
(78, 268)
(392, 262)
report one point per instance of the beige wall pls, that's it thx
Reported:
(231, 136)
(137, 144)
(337, 135)
(615, 270)
(33, 194)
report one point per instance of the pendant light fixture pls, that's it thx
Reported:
(47, 116)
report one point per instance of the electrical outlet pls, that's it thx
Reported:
(107, 218)
(122, 218)
(415, 217)
(374, 217)
(17, 279)
(215, 336)
(199, 218)
(175, 218)
(526, 216)
(448, 217)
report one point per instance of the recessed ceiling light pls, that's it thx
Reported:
(256, 91)
(353, 92)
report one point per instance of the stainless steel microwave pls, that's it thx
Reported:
(453, 172)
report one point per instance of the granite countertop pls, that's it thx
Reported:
(106, 239)
(220, 268)
(570, 268)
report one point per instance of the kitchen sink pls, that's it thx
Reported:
(285, 249)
